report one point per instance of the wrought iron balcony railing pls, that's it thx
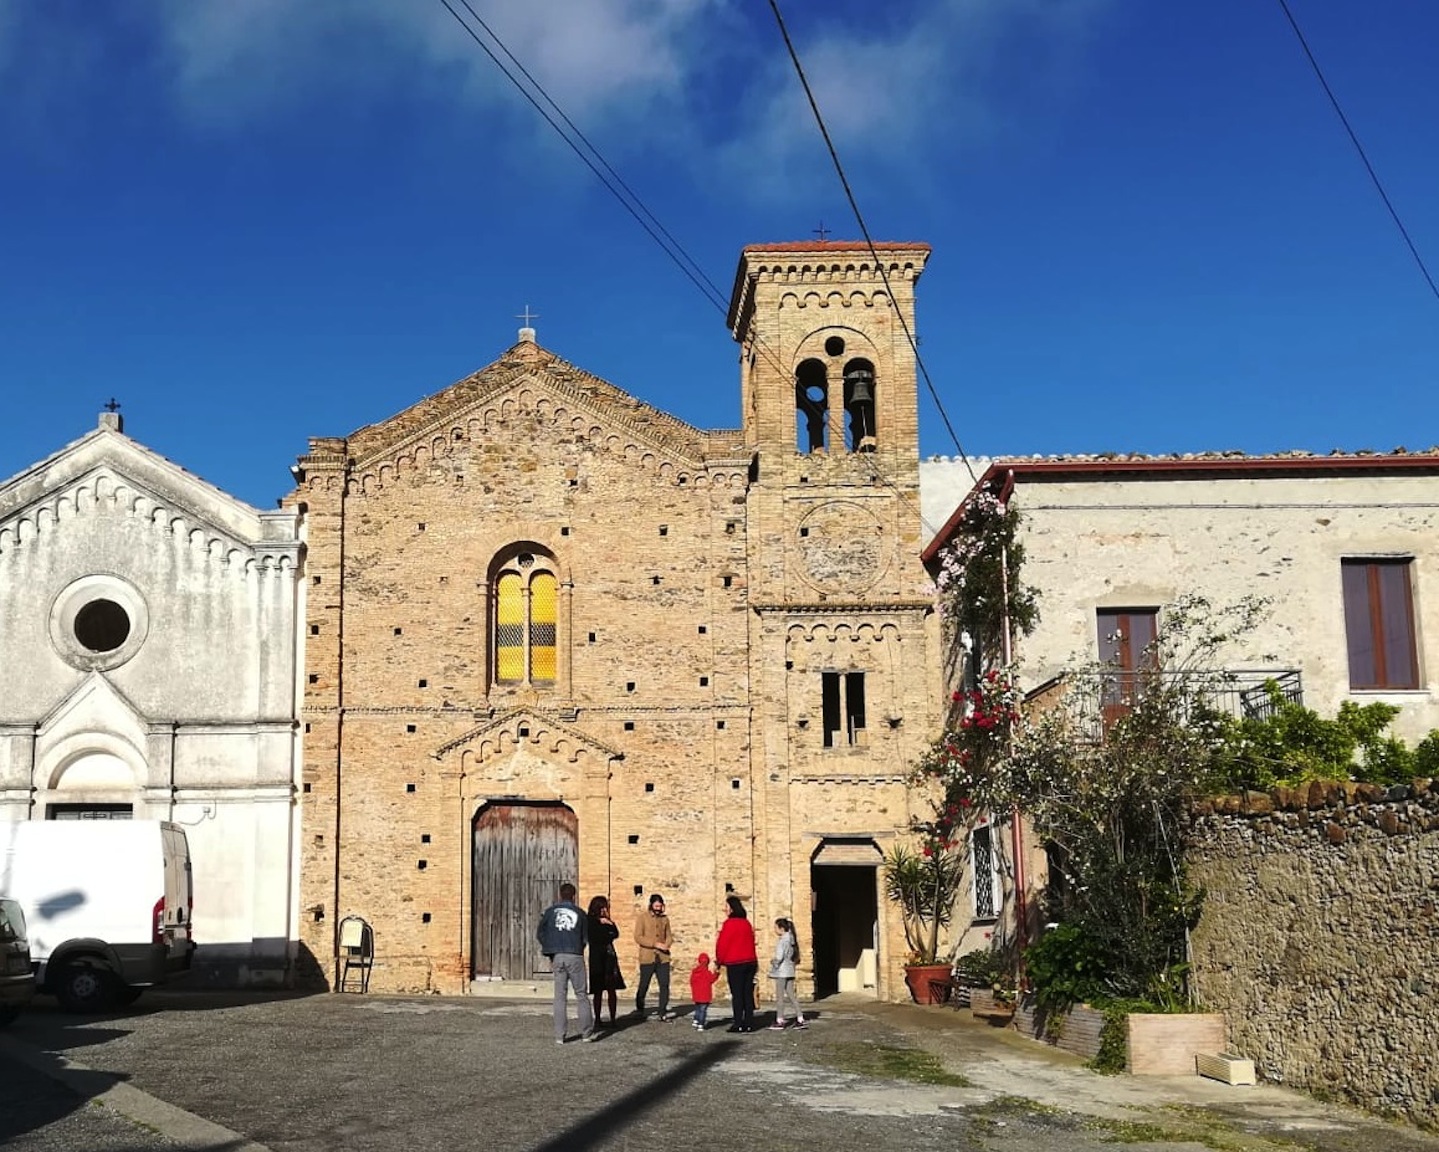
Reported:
(1105, 695)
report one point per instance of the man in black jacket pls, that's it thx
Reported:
(561, 935)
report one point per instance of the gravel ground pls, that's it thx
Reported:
(356, 1074)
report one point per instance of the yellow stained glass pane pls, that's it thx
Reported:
(510, 628)
(542, 626)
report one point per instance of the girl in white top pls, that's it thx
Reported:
(781, 970)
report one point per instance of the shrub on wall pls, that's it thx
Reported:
(1292, 744)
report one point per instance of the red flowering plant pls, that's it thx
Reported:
(962, 773)
(970, 760)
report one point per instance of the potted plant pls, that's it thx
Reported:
(923, 885)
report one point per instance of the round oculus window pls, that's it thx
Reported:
(102, 626)
(99, 622)
(834, 346)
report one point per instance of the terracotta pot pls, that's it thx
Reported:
(928, 983)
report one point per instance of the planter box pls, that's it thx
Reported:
(982, 1000)
(1075, 1031)
(1165, 1044)
(1227, 1068)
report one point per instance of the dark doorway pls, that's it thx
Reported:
(843, 927)
(522, 854)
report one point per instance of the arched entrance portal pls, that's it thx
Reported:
(522, 853)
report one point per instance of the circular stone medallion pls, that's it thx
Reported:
(841, 547)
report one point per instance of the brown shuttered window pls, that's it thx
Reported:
(1379, 624)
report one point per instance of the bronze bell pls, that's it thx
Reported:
(859, 383)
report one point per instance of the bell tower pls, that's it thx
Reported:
(827, 367)
(844, 668)
(831, 414)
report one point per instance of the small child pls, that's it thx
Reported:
(702, 984)
(782, 972)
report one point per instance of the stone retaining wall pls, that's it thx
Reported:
(1320, 937)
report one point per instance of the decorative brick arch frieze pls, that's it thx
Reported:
(805, 271)
(530, 754)
(854, 298)
(104, 493)
(533, 728)
(842, 631)
(558, 405)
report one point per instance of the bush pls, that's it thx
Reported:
(1066, 966)
(984, 968)
(1426, 756)
(1294, 744)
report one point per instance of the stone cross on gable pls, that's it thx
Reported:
(527, 333)
(110, 418)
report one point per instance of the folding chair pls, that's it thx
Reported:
(357, 950)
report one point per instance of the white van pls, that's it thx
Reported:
(108, 904)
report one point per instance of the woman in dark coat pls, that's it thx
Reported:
(605, 973)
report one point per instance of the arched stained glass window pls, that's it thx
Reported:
(510, 628)
(542, 626)
(526, 618)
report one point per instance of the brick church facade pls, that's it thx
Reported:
(552, 632)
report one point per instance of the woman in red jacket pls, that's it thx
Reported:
(735, 952)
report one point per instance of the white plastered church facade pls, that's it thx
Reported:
(149, 657)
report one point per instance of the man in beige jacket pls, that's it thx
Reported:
(652, 934)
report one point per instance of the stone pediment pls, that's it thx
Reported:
(95, 717)
(530, 379)
(529, 727)
(107, 471)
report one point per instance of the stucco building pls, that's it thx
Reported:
(1343, 548)
(147, 622)
(555, 633)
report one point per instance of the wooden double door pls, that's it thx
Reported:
(522, 853)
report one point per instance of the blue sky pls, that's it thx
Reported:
(257, 222)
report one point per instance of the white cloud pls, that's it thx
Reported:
(703, 83)
(931, 82)
(236, 60)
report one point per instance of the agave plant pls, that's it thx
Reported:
(923, 885)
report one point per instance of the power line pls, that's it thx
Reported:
(859, 218)
(714, 294)
(635, 206)
(590, 164)
(1358, 147)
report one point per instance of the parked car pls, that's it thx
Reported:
(108, 904)
(17, 975)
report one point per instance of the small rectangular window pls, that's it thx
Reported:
(829, 703)
(1379, 624)
(984, 858)
(843, 708)
(854, 706)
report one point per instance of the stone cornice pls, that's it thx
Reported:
(845, 608)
